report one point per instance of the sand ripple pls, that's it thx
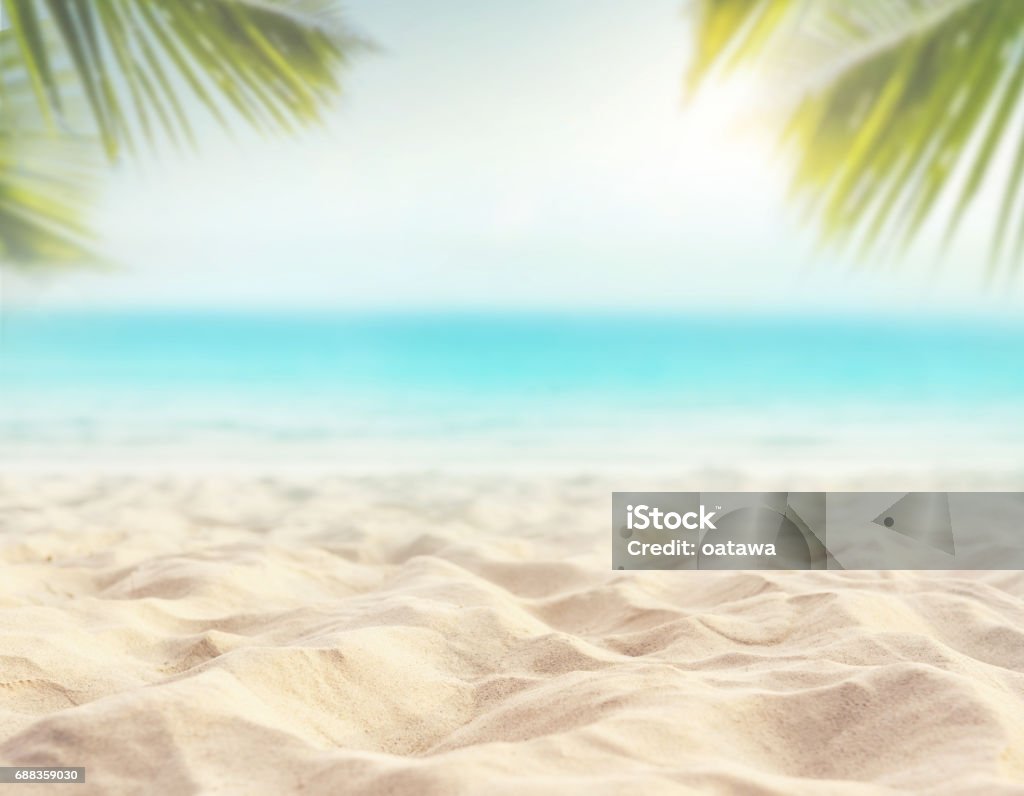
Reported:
(442, 635)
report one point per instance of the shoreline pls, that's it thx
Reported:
(811, 476)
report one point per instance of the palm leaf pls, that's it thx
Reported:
(44, 184)
(275, 64)
(81, 76)
(904, 107)
(46, 174)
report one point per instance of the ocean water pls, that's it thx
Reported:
(420, 390)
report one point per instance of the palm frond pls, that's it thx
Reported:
(905, 106)
(46, 174)
(79, 77)
(274, 64)
(730, 33)
(44, 184)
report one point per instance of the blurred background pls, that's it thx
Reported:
(558, 235)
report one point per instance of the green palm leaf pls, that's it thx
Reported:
(125, 72)
(44, 184)
(135, 62)
(46, 174)
(904, 107)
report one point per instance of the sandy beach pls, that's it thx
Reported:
(456, 634)
(346, 348)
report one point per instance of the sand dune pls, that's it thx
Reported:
(446, 635)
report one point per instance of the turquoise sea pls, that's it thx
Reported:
(424, 389)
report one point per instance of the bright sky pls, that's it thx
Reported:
(534, 153)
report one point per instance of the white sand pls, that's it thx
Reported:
(447, 634)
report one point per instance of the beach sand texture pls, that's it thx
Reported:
(440, 635)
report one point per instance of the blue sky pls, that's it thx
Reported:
(514, 155)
